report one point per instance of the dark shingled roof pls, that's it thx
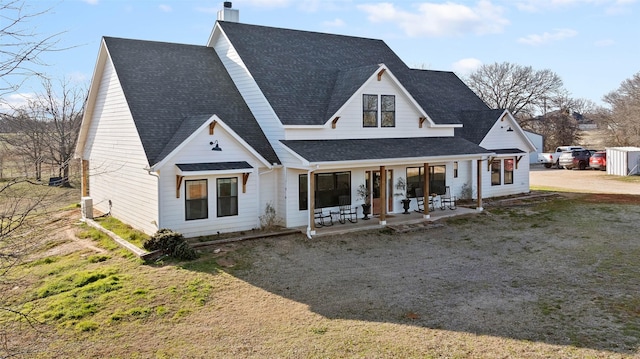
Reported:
(476, 124)
(172, 89)
(385, 148)
(307, 75)
(213, 166)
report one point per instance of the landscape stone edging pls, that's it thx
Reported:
(126, 244)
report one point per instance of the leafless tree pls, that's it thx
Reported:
(28, 139)
(61, 112)
(520, 89)
(20, 46)
(622, 120)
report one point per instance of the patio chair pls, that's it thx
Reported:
(321, 218)
(447, 199)
(347, 213)
(420, 200)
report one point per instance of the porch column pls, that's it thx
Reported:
(85, 178)
(427, 191)
(479, 184)
(383, 195)
(311, 185)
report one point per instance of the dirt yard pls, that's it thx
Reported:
(553, 279)
(526, 273)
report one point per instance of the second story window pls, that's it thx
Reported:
(388, 110)
(369, 110)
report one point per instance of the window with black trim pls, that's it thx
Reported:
(437, 179)
(196, 199)
(303, 194)
(496, 169)
(227, 196)
(370, 110)
(328, 189)
(508, 170)
(388, 110)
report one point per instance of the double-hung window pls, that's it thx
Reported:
(496, 169)
(196, 199)
(388, 110)
(508, 171)
(370, 110)
(227, 191)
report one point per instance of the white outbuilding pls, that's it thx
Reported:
(623, 161)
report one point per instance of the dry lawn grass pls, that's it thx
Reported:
(520, 281)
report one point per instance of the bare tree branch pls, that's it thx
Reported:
(20, 46)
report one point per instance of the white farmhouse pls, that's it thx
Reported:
(201, 139)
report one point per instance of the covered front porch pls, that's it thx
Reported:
(393, 220)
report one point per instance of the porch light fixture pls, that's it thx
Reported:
(509, 129)
(216, 147)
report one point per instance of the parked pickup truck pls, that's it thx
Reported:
(552, 158)
(575, 159)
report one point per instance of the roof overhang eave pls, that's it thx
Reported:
(395, 161)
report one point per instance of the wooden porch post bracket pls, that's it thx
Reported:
(421, 121)
(380, 74)
(489, 161)
(212, 127)
(334, 122)
(245, 178)
(178, 184)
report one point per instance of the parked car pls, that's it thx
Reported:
(598, 160)
(553, 158)
(575, 159)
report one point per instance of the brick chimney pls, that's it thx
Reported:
(228, 14)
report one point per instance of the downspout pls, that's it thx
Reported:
(158, 196)
(309, 234)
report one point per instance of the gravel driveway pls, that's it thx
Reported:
(588, 181)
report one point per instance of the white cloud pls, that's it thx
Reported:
(466, 66)
(611, 7)
(16, 100)
(165, 8)
(91, 2)
(262, 3)
(440, 19)
(540, 39)
(334, 23)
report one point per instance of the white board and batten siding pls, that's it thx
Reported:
(500, 138)
(248, 88)
(198, 150)
(349, 124)
(117, 159)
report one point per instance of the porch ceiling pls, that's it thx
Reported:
(318, 151)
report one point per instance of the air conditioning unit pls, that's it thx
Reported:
(86, 205)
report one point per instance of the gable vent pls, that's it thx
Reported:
(228, 13)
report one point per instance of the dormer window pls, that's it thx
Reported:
(371, 111)
(388, 111)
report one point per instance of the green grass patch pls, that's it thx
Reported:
(124, 231)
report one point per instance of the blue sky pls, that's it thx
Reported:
(591, 44)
